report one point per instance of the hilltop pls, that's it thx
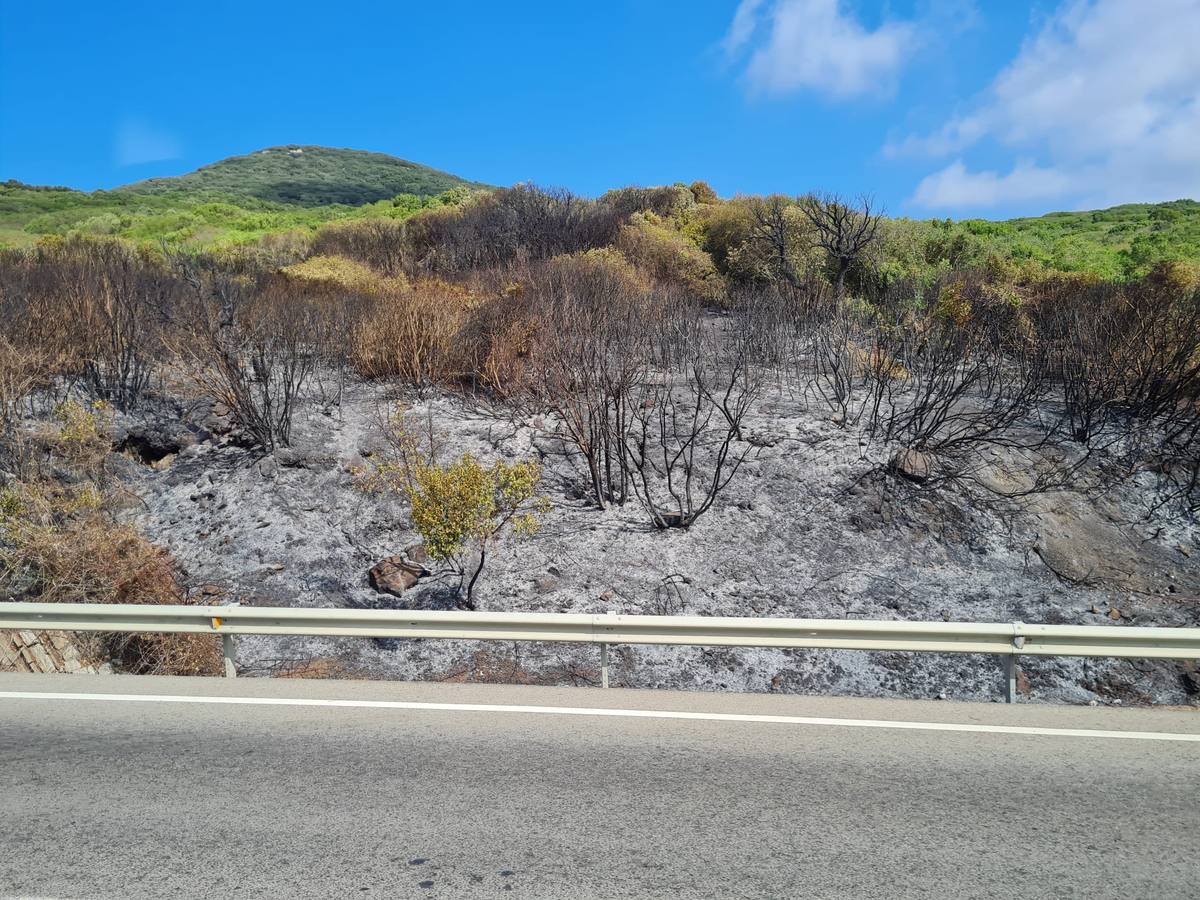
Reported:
(308, 176)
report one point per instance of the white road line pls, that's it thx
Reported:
(613, 713)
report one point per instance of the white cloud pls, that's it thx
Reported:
(954, 186)
(1106, 97)
(139, 142)
(741, 30)
(816, 45)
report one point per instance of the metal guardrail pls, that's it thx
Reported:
(1007, 640)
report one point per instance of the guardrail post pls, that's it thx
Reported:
(1010, 665)
(228, 651)
(604, 665)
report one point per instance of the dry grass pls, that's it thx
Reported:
(411, 334)
(321, 668)
(62, 548)
(59, 544)
(337, 272)
(875, 362)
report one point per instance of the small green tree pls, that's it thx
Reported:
(462, 508)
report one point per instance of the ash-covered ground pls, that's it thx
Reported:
(812, 526)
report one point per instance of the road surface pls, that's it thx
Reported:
(260, 788)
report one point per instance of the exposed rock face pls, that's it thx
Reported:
(397, 574)
(152, 446)
(914, 465)
(1094, 549)
(40, 651)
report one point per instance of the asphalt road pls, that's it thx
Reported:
(133, 798)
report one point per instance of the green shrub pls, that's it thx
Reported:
(461, 509)
(670, 258)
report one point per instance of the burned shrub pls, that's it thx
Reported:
(595, 321)
(249, 344)
(379, 243)
(685, 443)
(91, 308)
(411, 333)
(496, 229)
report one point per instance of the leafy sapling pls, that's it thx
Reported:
(462, 509)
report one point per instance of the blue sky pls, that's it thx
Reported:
(934, 107)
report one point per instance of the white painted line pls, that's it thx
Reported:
(611, 713)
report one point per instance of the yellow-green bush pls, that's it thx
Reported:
(670, 257)
(953, 305)
(596, 268)
(342, 273)
(461, 509)
(745, 251)
(703, 193)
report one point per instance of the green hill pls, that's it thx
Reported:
(236, 200)
(308, 176)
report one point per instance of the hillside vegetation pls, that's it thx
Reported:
(28, 214)
(308, 176)
(1117, 243)
(1109, 242)
(284, 194)
(239, 200)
